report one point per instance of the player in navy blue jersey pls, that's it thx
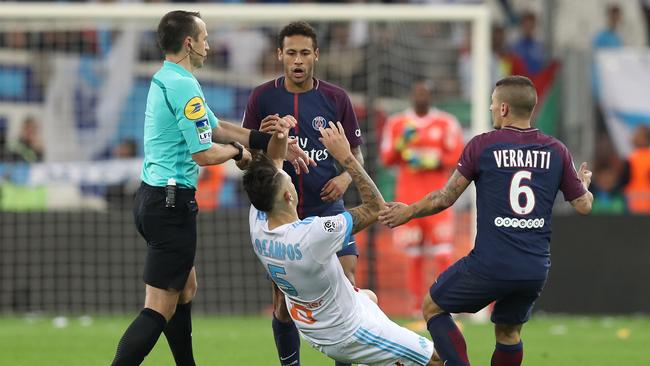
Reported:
(314, 103)
(517, 171)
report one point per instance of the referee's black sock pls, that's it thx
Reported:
(287, 342)
(179, 335)
(139, 338)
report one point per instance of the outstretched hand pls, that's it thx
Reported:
(335, 141)
(298, 157)
(395, 214)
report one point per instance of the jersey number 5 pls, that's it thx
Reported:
(517, 189)
(284, 285)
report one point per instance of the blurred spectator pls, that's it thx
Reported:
(245, 48)
(125, 150)
(645, 5)
(608, 179)
(638, 167)
(340, 47)
(608, 37)
(29, 146)
(211, 179)
(121, 195)
(607, 190)
(425, 143)
(504, 62)
(527, 47)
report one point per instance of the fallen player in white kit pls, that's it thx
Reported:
(339, 320)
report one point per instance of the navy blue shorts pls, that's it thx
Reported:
(351, 249)
(458, 290)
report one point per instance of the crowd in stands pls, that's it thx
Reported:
(250, 50)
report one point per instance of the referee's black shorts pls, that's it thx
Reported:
(170, 234)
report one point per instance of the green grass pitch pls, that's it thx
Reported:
(225, 340)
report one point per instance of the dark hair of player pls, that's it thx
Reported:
(261, 182)
(519, 93)
(297, 29)
(174, 27)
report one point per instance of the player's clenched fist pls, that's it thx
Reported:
(335, 141)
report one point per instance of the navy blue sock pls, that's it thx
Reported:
(179, 335)
(448, 340)
(508, 355)
(336, 363)
(287, 341)
(139, 338)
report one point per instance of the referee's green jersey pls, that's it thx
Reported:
(177, 124)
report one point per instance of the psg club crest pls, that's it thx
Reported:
(319, 122)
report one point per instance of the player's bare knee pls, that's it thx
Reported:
(430, 308)
(188, 292)
(507, 333)
(162, 301)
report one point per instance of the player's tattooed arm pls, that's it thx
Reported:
(337, 144)
(583, 203)
(372, 200)
(437, 201)
(398, 213)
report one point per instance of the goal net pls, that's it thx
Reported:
(73, 86)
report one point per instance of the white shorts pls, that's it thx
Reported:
(380, 342)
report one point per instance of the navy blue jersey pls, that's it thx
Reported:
(517, 174)
(312, 109)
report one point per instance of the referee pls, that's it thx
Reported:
(178, 137)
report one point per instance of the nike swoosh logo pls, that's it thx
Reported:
(288, 357)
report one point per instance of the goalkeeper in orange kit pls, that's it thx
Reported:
(425, 143)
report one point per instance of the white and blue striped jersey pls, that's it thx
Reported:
(300, 258)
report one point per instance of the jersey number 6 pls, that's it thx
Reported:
(517, 189)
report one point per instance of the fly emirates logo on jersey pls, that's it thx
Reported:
(315, 154)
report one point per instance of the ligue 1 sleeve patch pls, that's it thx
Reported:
(194, 108)
(204, 131)
(334, 225)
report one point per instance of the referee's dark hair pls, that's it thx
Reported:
(261, 182)
(297, 29)
(174, 27)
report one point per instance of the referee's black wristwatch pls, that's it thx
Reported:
(239, 147)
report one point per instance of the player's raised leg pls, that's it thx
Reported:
(287, 339)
